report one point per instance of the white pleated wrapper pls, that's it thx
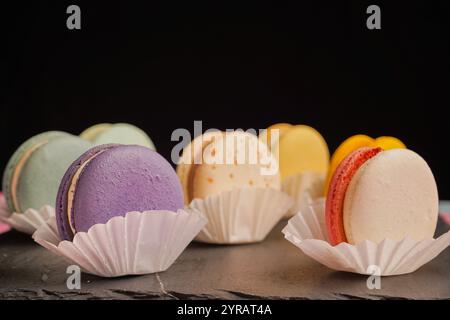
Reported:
(27, 222)
(242, 215)
(307, 231)
(138, 243)
(303, 188)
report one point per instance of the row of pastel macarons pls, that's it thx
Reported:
(223, 203)
(301, 149)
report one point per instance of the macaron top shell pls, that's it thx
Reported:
(92, 132)
(34, 172)
(112, 180)
(302, 149)
(266, 135)
(392, 195)
(388, 143)
(192, 156)
(235, 168)
(121, 133)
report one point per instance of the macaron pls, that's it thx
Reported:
(266, 135)
(92, 132)
(345, 148)
(228, 160)
(301, 149)
(121, 133)
(193, 155)
(388, 143)
(358, 141)
(378, 194)
(33, 173)
(112, 180)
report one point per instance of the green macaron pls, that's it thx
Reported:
(33, 174)
(120, 133)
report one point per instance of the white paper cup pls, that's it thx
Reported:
(304, 189)
(242, 215)
(307, 231)
(27, 222)
(137, 243)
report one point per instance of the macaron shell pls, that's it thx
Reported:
(338, 187)
(302, 149)
(345, 148)
(192, 153)
(393, 195)
(41, 175)
(61, 206)
(266, 135)
(123, 133)
(388, 143)
(92, 132)
(212, 179)
(122, 179)
(16, 158)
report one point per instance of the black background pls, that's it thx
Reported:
(232, 65)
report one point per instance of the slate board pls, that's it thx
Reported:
(273, 269)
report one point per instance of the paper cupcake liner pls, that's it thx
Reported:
(242, 215)
(4, 213)
(4, 227)
(304, 189)
(307, 231)
(29, 221)
(138, 243)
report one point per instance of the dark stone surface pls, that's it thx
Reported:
(272, 269)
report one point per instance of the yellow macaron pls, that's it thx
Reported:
(300, 149)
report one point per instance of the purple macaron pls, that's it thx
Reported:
(111, 180)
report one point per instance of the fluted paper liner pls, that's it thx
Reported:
(303, 188)
(307, 231)
(4, 227)
(242, 215)
(137, 243)
(27, 222)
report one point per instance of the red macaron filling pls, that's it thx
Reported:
(334, 207)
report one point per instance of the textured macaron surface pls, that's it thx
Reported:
(234, 160)
(116, 180)
(192, 155)
(334, 207)
(302, 149)
(34, 173)
(392, 196)
(343, 150)
(92, 132)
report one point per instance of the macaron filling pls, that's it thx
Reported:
(334, 208)
(72, 188)
(16, 174)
